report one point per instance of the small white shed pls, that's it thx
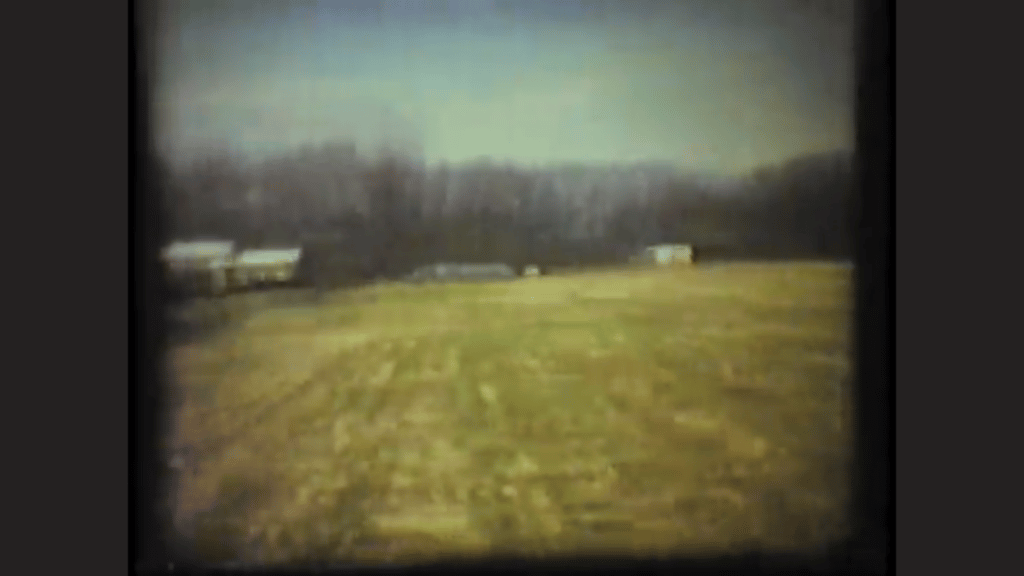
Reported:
(204, 261)
(668, 254)
(267, 265)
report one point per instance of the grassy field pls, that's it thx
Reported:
(624, 412)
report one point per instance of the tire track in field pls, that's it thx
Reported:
(190, 456)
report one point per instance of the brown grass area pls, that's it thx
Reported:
(619, 411)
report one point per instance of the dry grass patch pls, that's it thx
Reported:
(625, 411)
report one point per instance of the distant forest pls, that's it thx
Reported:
(361, 218)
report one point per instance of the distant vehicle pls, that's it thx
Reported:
(449, 272)
(531, 271)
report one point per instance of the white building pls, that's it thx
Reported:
(668, 254)
(202, 263)
(266, 265)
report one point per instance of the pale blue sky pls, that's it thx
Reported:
(716, 86)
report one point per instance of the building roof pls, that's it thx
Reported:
(199, 249)
(470, 269)
(269, 256)
(464, 270)
(659, 246)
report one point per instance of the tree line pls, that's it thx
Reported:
(360, 218)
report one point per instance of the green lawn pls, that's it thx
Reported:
(618, 411)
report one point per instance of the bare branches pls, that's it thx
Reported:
(389, 214)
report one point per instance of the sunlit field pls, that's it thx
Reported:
(619, 412)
